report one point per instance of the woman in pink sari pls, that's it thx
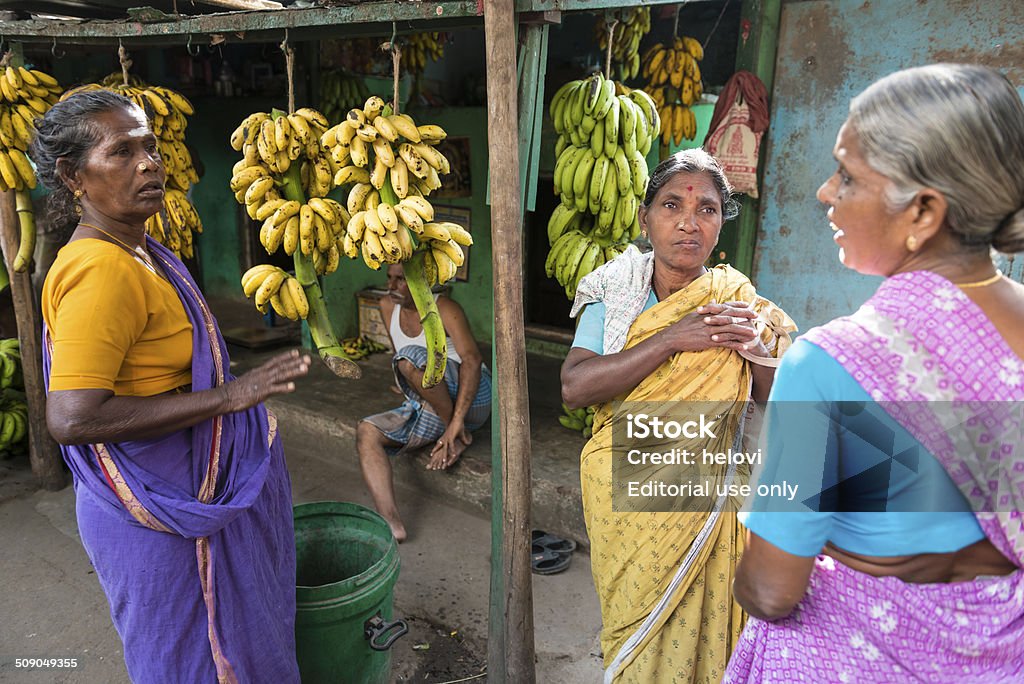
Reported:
(903, 564)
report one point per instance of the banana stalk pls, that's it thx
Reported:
(430, 318)
(319, 323)
(26, 218)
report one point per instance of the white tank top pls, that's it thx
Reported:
(401, 339)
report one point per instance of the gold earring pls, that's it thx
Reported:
(78, 204)
(911, 243)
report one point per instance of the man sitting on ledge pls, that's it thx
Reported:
(443, 415)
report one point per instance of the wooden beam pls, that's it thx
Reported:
(44, 454)
(244, 4)
(517, 665)
(302, 24)
(590, 5)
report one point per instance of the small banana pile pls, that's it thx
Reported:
(25, 94)
(673, 75)
(10, 364)
(270, 148)
(579, 420)
(361, 347)
(340, 91)
(270, 286)
(600, 173)
(167, 111)
(13, 409)
(419, 47)
(633, 24)
(391, 165)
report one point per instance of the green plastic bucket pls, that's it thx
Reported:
(346, 568)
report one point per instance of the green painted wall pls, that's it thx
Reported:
(221, 248)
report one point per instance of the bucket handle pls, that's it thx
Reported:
(376, 627)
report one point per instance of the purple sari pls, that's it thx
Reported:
(943, 372)
(191, 533)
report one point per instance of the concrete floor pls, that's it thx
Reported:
(53, 605)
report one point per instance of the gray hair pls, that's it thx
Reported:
(68, 131)
(694, 161)
(956, 128)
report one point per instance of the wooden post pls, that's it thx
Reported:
(44, 454)
(517, 665)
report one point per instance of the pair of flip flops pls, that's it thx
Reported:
(550, 554)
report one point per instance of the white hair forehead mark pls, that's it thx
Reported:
(140, 116)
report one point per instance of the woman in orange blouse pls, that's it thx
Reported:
(182, 494)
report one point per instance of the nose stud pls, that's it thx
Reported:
(143, 167)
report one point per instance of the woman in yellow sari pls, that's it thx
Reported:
(661, 328)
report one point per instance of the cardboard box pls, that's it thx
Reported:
(371, 321)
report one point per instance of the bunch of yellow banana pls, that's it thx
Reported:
(600, 170)
(392, 165)
(633, 24)
(25, 95)
(270, 286)
(419, 47)
(270, 147)
(340, 91)
(361, 347)
(10, 364)
(579, 420)
(673, 75)
(575, 254)
(167, 111)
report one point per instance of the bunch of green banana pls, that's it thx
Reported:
(579, 420)
(600, 172)
(25, 94)
(419, 47)
(13, 422)
(574, 254)
(283, 164)
(362, 346)
(10, 364)
(633, 24)
(674, 80)
(388, 204)
(167, 111)
(340, 91)
(270, 286)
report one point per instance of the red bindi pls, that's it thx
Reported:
(690, 188)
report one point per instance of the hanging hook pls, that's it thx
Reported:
(188, 47)
(53, 50)
(394, 31)
(284, 43)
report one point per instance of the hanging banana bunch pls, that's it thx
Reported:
(420, 47)
(340, 91)
(391, 165)
(633, 24)
(600, 173)
(283, 164)
(25, 95)
(674, 81)
(167, 111)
